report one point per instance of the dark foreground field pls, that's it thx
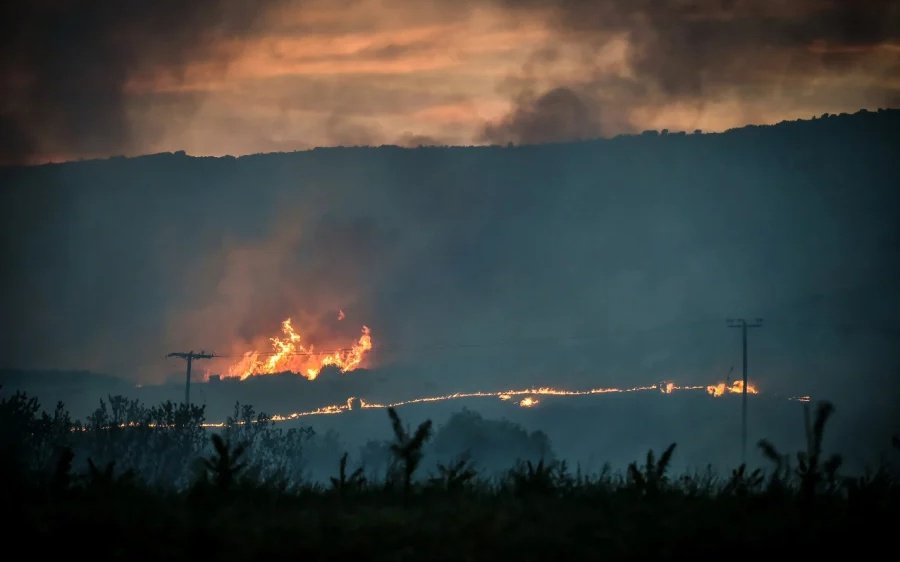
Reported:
(151, 483)
(578, 521)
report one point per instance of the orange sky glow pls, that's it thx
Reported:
(371, 72)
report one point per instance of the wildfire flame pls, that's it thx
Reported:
(290, 354)
(528, 399)
(736, 387)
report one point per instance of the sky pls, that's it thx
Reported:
(84, 79)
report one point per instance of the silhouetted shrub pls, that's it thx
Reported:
(490, 444)
(224, 466)
(407, 448)
(651, 479)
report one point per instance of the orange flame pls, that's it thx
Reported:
(529, 398)
(289, 354)
(737, 387)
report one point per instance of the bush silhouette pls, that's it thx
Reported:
(62, 473)
(224, 464)
(541, 478)
(814, 474)
(455, 475)
(743, 484)
(344, 483)
(406, 448)
(651, 479)
(538, 511)
(780, 477)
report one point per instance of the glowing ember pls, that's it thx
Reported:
(737, 387)
(289, 354)
(528, 399)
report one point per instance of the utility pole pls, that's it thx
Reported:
(189, 356)
(743, 325)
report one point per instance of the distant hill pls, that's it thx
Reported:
(606, 262)
(79, 390)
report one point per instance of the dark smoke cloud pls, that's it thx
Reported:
(688, 48)
(66, 64)
(558, 115)
(699, 51)
(84, 79)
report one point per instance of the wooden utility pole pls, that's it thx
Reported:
(743, 325)
(189, 356)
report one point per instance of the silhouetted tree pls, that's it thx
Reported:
(779, 479)
(540, 478)
(31, 443)
(489, 443)
(814, 473)
(651, 479)
(223, 465)
(62, 473)
(741, 483)
(18, 427)
(406, 448)
(158, 443)
(344, 483)
(454, 475)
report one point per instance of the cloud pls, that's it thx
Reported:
(707, 53)
(66, 66)
(88, 79)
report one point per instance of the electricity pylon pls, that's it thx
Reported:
(743, 325)
(189, 356)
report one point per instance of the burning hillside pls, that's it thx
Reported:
(523, 398)
(291, 353)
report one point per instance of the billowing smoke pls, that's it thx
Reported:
(557, 115)
(86, 79)
(67, 67)
(638, 60)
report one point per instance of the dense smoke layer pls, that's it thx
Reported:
(69, 68)
(86, 79)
